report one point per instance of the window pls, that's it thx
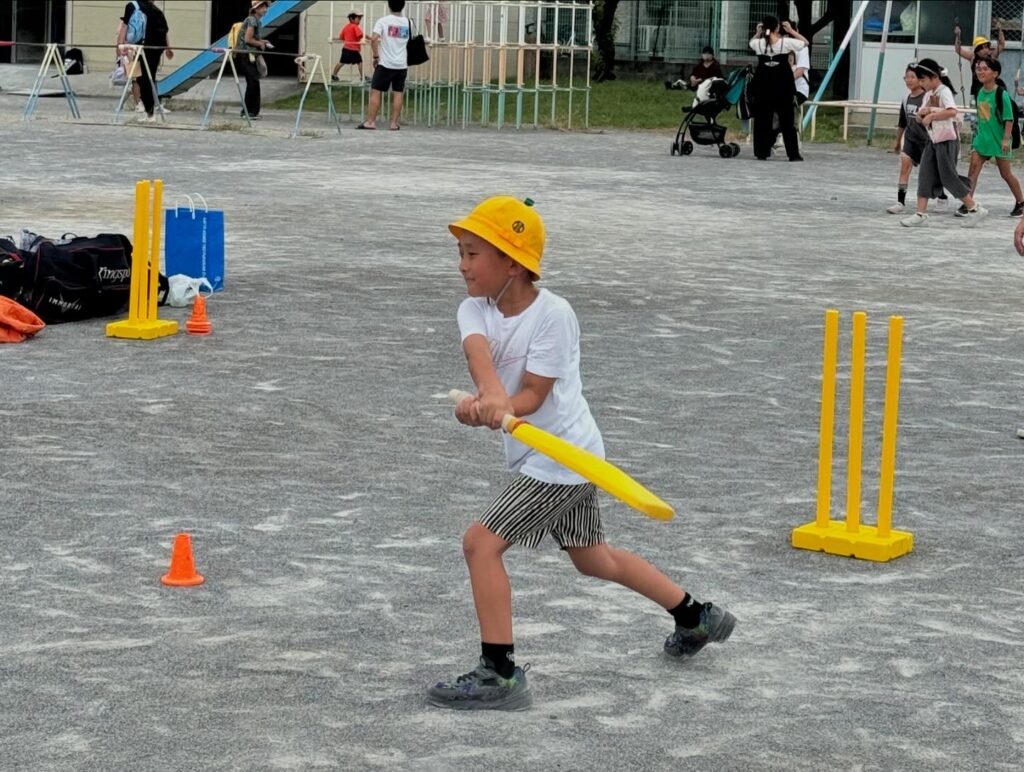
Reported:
(902, 21)
(938, 19)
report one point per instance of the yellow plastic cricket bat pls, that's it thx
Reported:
(584, 463)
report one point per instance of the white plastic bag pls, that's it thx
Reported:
(182, 289)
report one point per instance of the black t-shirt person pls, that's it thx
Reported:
(156, 22)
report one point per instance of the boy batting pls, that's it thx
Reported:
(522, 346)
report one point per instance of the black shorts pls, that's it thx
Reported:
(913, 150)
(385, 78)
(351, 57)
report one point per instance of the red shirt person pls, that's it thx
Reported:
(351, 36)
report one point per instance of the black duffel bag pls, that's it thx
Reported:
(80, 279)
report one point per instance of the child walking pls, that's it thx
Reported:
(995, 130)
(522, 345)
(351, 36)
(911, 140)
(938, 115)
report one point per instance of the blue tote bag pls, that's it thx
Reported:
(194, 242)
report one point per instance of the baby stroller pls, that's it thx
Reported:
(714, 96)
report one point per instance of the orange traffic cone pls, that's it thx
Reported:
(183, 567)
(198, 324)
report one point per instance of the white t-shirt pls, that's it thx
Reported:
(759, 45)
(394, 37)
(803, 62)
(545, 340)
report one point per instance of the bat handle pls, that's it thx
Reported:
(457, 395)
(508, 423)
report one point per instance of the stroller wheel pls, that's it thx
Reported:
(735, 149)
(725, 151)
(686, 148)
(675, 148)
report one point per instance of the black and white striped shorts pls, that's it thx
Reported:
(528, 510)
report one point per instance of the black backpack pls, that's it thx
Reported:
(82, 279)
(156, 26)
(1015, 131)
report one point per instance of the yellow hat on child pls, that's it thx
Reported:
(511, 225)
(980, 40)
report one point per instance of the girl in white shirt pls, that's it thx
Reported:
(939, 115)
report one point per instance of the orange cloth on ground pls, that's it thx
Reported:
(16, 322)
(352, 34)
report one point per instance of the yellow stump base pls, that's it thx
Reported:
(865, 544)
(142, 330)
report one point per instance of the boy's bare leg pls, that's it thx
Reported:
(905, 166)
(629, 570)
(1006, 172)
(492, 591)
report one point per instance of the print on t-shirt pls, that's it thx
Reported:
(395, 31)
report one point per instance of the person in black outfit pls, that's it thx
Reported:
(156, 43)
(249, 44)
(772, 89)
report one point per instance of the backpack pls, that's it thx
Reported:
(136, 32)
(233, 33)
(74, 62)
(1015, 131)
(84, 278)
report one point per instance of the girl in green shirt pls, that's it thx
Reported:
(995, 129)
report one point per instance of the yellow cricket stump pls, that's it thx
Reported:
(142, 322)
(879, 542)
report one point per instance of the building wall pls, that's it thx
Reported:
(92, 26)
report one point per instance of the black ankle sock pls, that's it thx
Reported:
(943, 197)
(901, 194)
(687, 613)
(501, 656)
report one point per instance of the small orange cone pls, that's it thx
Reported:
(183, 567)
(198, 324)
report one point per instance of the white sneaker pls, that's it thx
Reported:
(914, 220)
(1020, 433)
(139, 108)
(164, 110)
(896, 208)
(941, 205)
(974, 216)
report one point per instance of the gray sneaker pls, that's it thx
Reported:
(974, 216)
(483, 689)
(914, 221)
(716, 625)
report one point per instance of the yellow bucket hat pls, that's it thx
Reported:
(980, 40)
(511, 225)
